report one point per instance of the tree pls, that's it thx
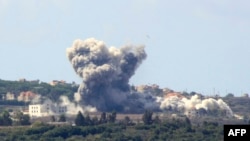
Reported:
(5, 119)
(188, 123)
(103, 118)
(184, 93)
(52, 118)
(229, 95)
(21, 119)
(25, 120)
(112, 117)
(62, 118)
(147, 117)
(127, 121)
(157, 120)
(88, 120)
(80, 120)
(95, 120)
(193, 93)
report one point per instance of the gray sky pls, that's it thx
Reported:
(194, 45)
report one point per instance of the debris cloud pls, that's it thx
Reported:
(105, 72)
(183, 104)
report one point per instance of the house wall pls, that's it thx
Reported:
(46, 109)
(35, 110)
(10, 96)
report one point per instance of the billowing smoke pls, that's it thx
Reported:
(183, 104)
(63, 106)
(74, 108)
(105, 72)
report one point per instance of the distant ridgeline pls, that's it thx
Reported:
(24, 91)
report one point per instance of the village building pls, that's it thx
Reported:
(46, 109)
(10, 96)
(57, 82)
(26, 96)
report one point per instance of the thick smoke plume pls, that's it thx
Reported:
(105, 72)
(183, 104)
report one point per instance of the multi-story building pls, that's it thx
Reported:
(46, 109)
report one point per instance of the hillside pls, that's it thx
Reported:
(44, 89)
(239, 105)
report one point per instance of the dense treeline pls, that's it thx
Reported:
(107, 128)
(44, 89)
(167, 130)
(12, 102)
(17, 119)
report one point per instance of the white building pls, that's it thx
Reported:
(46, 109)
(10, 96)
(36, 110)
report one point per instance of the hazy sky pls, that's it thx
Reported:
(194, 45)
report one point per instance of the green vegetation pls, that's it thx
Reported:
(62, 118)
(12, 102)
(151, 128)
(147, 117)
(167, 129)
(17, 119)
(239, 105)
(21, 119)
(44, 89)
(80, 120)
(5, 119)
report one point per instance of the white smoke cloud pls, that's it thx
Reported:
(77, 97)
(195, 102)
(74, 108)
